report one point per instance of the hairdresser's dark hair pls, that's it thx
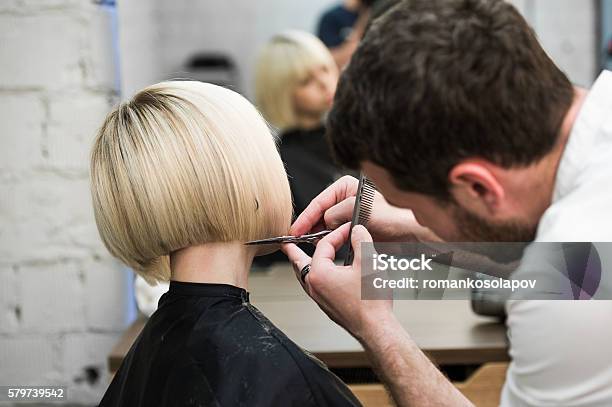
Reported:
(437, 81)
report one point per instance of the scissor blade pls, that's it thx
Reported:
(273, 240)
(311, 238)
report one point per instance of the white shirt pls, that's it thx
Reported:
(562, 350)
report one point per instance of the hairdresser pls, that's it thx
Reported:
(471, 133)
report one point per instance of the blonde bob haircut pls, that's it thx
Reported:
(283, 63)
(184, 164)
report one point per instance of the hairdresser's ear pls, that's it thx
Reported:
(475, 187)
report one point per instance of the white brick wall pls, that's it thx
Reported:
(63, 300)
(41, 352)
(10, 309)
(52, 298)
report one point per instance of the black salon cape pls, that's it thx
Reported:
(206, 345)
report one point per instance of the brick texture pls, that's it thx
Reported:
(63, 300)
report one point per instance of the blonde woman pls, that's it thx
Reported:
(295, 84)
(181, 176)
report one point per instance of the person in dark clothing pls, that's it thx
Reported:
(341, 28)
(336, 23)
(182, 175)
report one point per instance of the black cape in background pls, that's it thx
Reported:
(206, 345)
(309, 163)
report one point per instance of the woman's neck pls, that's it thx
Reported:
(220, 263)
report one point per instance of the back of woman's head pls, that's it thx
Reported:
(183, 164)
(284, 62)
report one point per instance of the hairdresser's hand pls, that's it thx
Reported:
(337, 289)
(334, 207)
(411, 377)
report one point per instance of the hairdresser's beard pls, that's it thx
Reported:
(472, 228)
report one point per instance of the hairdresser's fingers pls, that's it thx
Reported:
(359, 235)
(319, 227)
(340, 213)
(327, 247)
(296, 256)
(315, 211)
(299, 260)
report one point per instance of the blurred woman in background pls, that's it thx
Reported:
(296, 80)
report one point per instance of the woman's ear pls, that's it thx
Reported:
(474, 185)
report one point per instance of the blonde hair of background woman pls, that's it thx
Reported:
(183, 164)
(283, 63)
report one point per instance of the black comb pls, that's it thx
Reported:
(364, 202)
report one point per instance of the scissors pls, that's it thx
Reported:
(312, 238)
